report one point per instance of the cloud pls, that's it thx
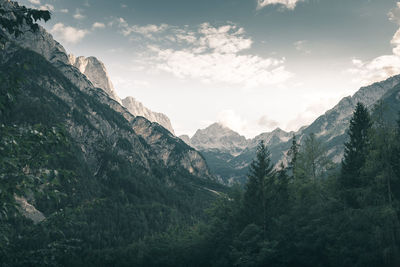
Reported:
(289, 4)
(394, 14)
(302, 46)
(47, 7)
(98, 25)
(147, 30)
(266, 122)
(215, 54)
(35, 2)
(216, 67)
(78, 14)
(64, 10)
(68, 34)
(224, 39)
(379, 68)
(250, 128)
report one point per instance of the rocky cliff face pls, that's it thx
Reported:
(96, 72)
(173, 148)
(136, 108)
(219, 137)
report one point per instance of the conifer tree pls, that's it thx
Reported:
(260, 178)
(355, 153)
(292, 154)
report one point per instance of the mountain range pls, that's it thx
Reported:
(114, 152)
(229, 154)
(96, 72)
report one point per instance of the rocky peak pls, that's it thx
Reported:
(136, 108)
(185, 138)
(218, 136)
(96, 72)
(270, 138)
(176, 155)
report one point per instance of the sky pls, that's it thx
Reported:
(252, 65)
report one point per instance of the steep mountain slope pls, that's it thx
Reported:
(90, 174)
(330, 128)
(136, 108)
(86, 169)
(43, 43)
(96, 72)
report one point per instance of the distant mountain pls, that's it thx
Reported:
(219, 137)
(229, 155)
(138, 109)
(97, 73)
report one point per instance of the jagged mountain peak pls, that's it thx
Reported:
(136, 108)
(175, 152)
(96, 72)
(218, 136)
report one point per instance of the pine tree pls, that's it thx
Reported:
(292, 154)
(355, 153)
(260, 178)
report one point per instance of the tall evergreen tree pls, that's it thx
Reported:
(292, 154)
(260, 178)
(355, 153)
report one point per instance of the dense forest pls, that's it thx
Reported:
(309, 213)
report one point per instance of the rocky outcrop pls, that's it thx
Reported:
(106, 123)
(219, 137)
(96, 72)
(136, 108)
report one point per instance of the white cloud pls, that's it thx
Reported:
(394, 14)
(64, 10)
(68, 34)
(147, 30)
(379, 68)
(98, 25)
(302, 46)
(78, 14)
(225, 39)
(290, 4)
(250, 128)
(215, 54)
(47, 7)
(35, 2)
(216, 67)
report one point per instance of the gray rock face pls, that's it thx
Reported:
(185, 138)
(136, 108)
(96, 72)
(219, 137)
(175, 153)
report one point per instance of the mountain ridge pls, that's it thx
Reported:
(330, 128)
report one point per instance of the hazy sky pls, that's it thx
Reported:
(252, 65)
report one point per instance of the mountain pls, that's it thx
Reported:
(229, 155)
(97, 73)
(90, 177)
(219, 137)
(138, 109)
